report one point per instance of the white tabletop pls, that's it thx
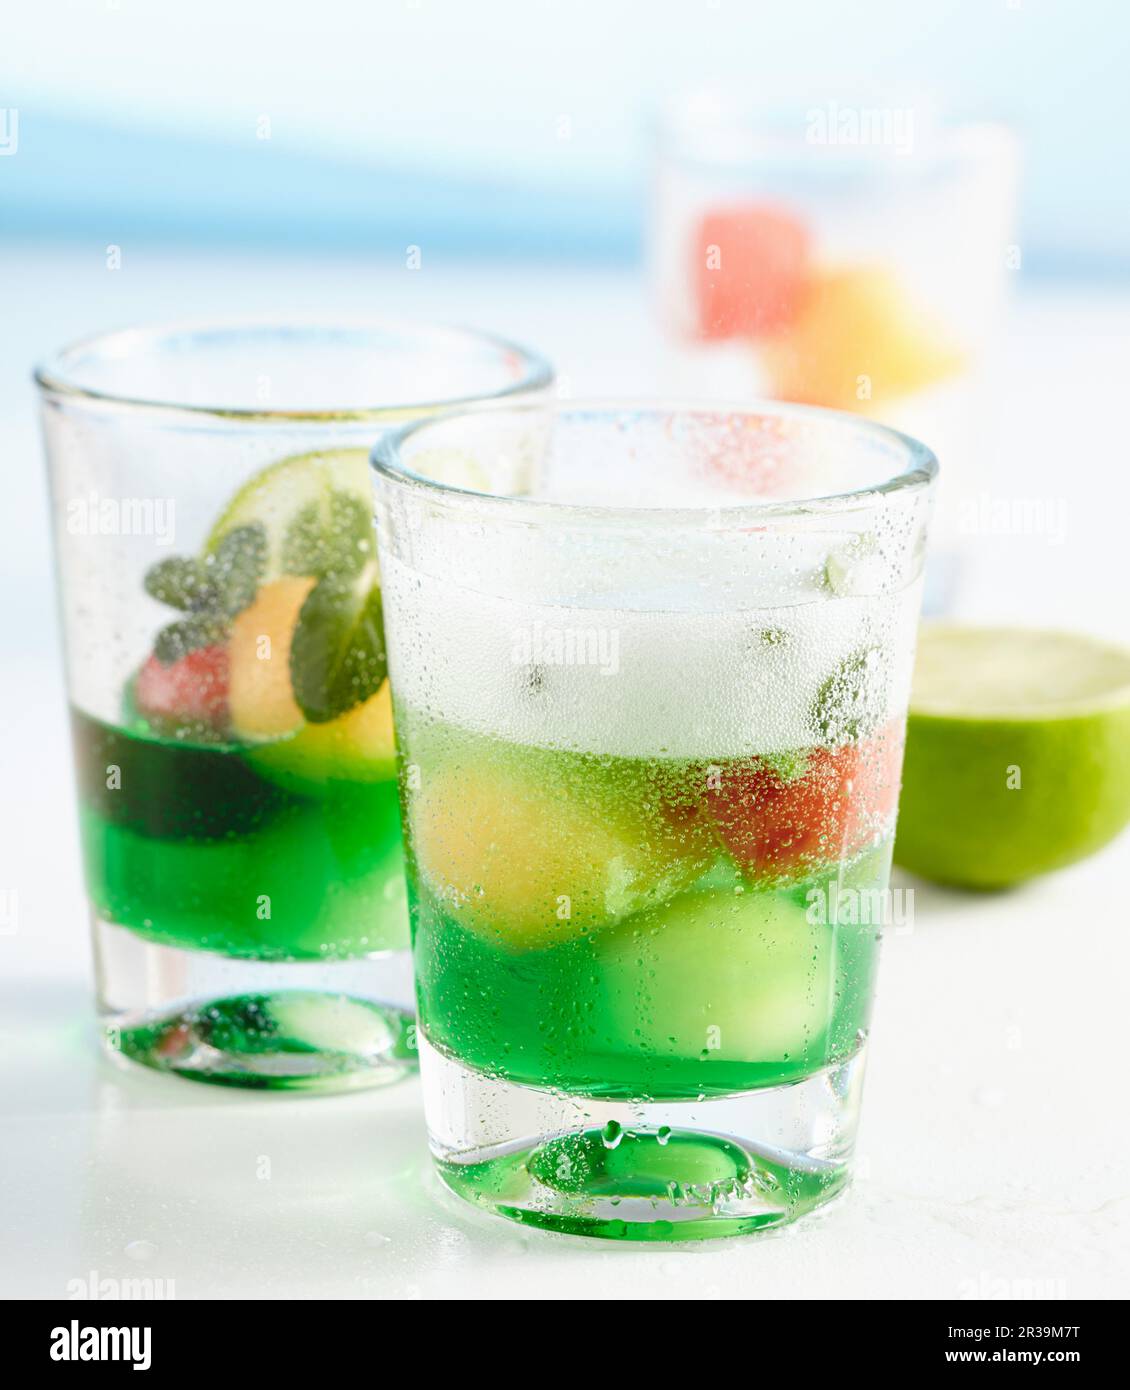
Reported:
(992, 1160)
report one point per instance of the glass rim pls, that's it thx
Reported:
(919, 474)
(55, 378)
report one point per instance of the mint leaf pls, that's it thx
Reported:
(302, 542)
(180, 638)
(337, 653)
(856, 566)
(181, 583)
(214, 589)
(333, 541)
(351, 534)
(849, 703)
(236, 567)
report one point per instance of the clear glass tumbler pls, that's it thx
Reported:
(232, 724)
(650, 678)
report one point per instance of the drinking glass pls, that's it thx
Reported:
(650, 672)
(221, 615)
(842, 254)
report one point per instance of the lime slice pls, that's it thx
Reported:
(1017, 754)
(278, 494)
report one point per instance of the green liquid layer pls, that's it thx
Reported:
(190, 846)
(640, 1010)
(675, 973)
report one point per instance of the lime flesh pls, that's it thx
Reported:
(1017, 754)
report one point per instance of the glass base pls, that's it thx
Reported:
(656, 1170)
(333, 1026)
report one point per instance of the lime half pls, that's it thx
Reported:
(1017, 754)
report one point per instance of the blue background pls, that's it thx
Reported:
(514, 129)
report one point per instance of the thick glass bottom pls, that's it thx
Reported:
(333, 1026)
(639, 1170)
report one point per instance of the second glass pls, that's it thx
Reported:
(231, 717)
(650, 681)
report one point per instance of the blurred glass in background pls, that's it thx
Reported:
(848, 255)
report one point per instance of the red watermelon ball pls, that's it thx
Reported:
(751, 269)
